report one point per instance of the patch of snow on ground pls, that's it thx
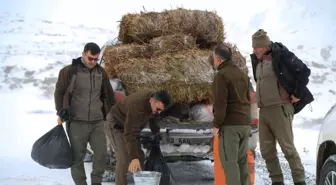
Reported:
(186, 148)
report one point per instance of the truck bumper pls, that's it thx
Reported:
(191, 141)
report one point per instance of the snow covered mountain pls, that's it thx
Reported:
(307, 28)
(37, 38)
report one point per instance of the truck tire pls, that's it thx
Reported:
(253, 153)
(88, 156)
(109, 174)
(328, 171)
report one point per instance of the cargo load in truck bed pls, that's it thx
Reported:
(205, 26)
(173, 60)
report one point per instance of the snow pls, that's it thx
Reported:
(202, 131)
(307, 147)
(38, 38)
(190, 131)
(185, 148)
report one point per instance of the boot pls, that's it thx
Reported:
(278, 183)
(300, 183)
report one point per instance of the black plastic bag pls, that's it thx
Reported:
(53, 150)
(156, 162)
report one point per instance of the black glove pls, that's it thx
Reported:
(154, 138)
(64, 114)
(157, 137)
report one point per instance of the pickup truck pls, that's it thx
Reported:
(182, 140)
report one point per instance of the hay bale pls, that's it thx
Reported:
(157, 46)
(171, 44)
(125, 51)
(186, 74)
(207, 27)
(238, 58)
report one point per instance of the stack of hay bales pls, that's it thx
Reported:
(167, 50)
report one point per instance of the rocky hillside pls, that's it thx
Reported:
(33, 50)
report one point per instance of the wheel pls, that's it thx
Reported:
(109, 174)
(88, 156)
(328, 172)
(253, 153)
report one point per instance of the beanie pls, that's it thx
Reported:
(260, 39)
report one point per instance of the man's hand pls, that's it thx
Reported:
(215, 131)
(134, 166)
(59, 121)
(294, 99)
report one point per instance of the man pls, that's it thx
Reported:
(232, 115)
(83, 97)
(126, 120)
(281, 92)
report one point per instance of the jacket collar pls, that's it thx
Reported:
(79, 61)
(224, 64)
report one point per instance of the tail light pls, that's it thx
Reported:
(253, 97)
(255, 122)
(119, 95)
